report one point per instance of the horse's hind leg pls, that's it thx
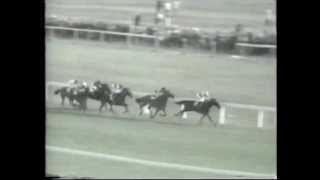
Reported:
(85, 106)
(126, 109)
(178, 113)
(71, 102)
(164, 112)
(155, 113)
(140, 111)
(62, 100)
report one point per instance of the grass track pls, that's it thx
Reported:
(244, 149)
(240, 81)
(163, 139)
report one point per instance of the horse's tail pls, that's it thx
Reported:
(178, 102)
(57, 91)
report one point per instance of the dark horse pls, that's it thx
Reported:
(65, 93)
(202, 108)
(119, 99)
(79, 95)
(101, 93)
(159, 103)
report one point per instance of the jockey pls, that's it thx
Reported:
(203, 96)
(158, 93)
(117, 88)
(155, 94)
(162, 90)
(73, 83)
(97, 84)
(82, 86)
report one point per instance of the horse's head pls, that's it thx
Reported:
(168, 94)
(105, 88)
(214, 102)
(126, 91)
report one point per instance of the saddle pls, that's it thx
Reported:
(198, 103)
(153, 96)
(114, 95)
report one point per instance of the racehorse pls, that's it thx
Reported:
(64, 92)
(100, 93)
(202, 108)
(79, 95)
(119, 99)
(159, 103)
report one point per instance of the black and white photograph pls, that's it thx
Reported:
(161, 89)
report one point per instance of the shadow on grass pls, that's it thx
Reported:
(120, 116)
(53, 176)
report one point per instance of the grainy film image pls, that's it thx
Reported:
(161, 89)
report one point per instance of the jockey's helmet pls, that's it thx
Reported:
(163, 89)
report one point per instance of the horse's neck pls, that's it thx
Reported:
(163, 99)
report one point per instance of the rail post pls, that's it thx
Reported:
(222, 115)
(260, 119)
(101, 37)
(128, 37)
(75, 34)
(48, 33)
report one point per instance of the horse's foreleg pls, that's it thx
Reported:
(62, 100)
(85, 107)
(140, 110)
(182, 109)
(110, 108)
(201, 119)
(155, 113)
(102, 103)
(214, 122)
